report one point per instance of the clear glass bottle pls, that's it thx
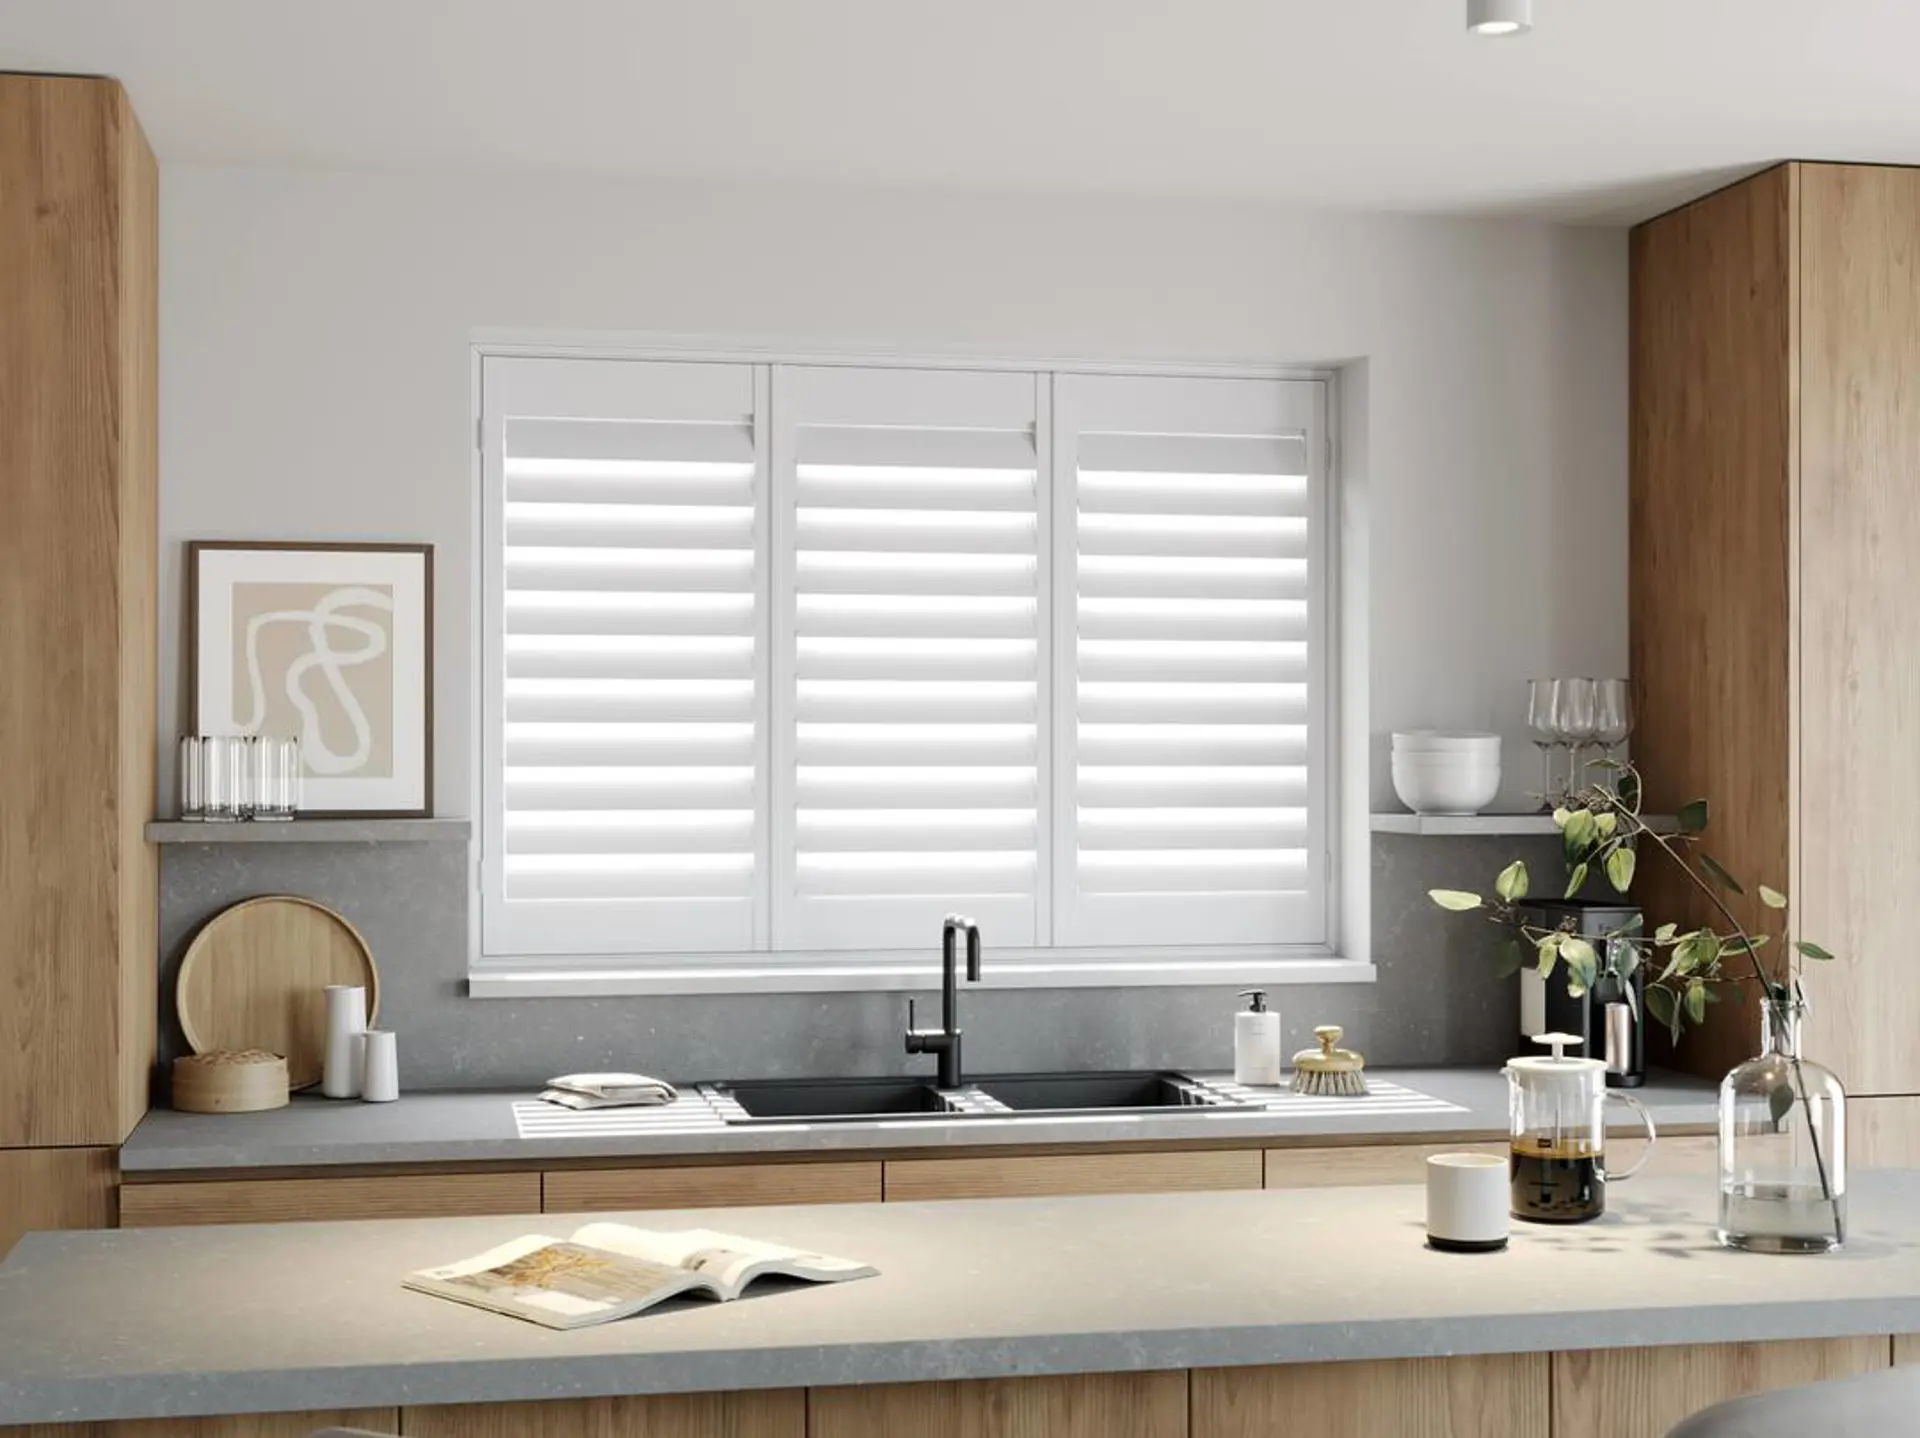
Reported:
(1783, 1145)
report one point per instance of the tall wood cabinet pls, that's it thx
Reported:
(78, 553)
(1775, 528)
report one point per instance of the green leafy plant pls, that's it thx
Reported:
(1603, 828)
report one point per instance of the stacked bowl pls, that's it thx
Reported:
(1437, 773)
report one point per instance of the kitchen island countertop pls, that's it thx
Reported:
(176, 1322)
(480, 1127)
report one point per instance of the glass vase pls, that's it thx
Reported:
(1783, 1145)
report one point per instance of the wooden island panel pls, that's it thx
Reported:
(773, 1413)
(1643, 1392)
(1095, 1405)
(1501, 1396)
(299, 1200)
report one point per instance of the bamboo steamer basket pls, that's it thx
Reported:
(230, 1081)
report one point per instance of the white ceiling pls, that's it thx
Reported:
(1609, 110)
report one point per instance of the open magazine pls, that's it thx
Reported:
(609, 1270)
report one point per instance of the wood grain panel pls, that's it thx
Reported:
(56, 1188)
(1084, 1173)
(1092, 1405)
(1712, 413)
(1642, 1392)
(293, 1200)
(1859, 617)
(1906, 1349)
(775, 1413)
(250, 1425)
(1492, 1397)
(1883, 1132)
(711, 1186)
(139, 638)
(76, 880)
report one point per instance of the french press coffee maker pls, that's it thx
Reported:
(1557, 1129)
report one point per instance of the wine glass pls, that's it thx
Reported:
(1613, 713)
(1575, 716)
(1544, 730)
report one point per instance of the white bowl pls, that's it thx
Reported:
(1432, 741)
(1441, 788)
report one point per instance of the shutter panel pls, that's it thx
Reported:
(1189, 614)
(909, 673)
(625, 573)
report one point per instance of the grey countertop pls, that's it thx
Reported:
(176, 1322)
(482, 1127)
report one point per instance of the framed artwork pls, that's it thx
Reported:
(331, 644)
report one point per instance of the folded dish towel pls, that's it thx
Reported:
(583, 1091)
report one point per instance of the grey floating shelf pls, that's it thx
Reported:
(1462, 825)
(313, 831)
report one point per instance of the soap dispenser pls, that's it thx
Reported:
(1256, 1042)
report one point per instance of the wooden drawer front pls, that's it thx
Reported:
(1080, 1173)
(288, 1200)
(1093, 1405)
(589, 1190)
(1355, 1167)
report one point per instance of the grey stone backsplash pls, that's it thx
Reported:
(1435, 1001)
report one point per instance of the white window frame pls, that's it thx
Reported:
(597, 975)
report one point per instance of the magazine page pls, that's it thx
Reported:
(560, 1283)
(727, 1259)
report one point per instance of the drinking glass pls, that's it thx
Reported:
(276, 767)
(1543, 729)
(227, 777)
(1613, 713)
(193, 777)
(1574, 715)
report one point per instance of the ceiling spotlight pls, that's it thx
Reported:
(1499, 17)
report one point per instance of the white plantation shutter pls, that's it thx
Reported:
(910, 660)
(1189, 624)
(624, 652)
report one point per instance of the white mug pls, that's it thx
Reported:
(346, 1021)
(1467, 1202)
(380, 1071)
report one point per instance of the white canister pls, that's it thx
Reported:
(1256, 1042)
(346, 1022)
(1467, 1202)
(380, 1067)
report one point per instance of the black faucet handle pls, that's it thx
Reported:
(973, 952)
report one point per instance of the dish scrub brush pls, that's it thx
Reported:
(1329, 1071)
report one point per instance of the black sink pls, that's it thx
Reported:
(1104, 1092)
(825, 1100)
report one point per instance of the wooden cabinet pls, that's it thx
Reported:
(1358, 1166)
(245, 1425)
(297, 1200)
(1035, 1175)
(55, 1188)
(711, 1186)
(1642, 1392)
(78, 635)
(1093, 1405)
(1775, 511)
(1492, 1397)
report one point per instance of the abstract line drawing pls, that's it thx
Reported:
(322, 623)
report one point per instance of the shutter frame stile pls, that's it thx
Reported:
(624, 640)
(1170, 627)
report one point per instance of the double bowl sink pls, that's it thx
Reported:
(1050, 1095)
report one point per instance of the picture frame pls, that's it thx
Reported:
(327, 642)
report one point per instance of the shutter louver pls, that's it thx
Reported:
(913, 667)
(629, 653)
(1184, 587)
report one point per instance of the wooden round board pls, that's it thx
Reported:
(255, 978)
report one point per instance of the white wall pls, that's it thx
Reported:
(315, 374)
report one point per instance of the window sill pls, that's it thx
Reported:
(503, 979)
